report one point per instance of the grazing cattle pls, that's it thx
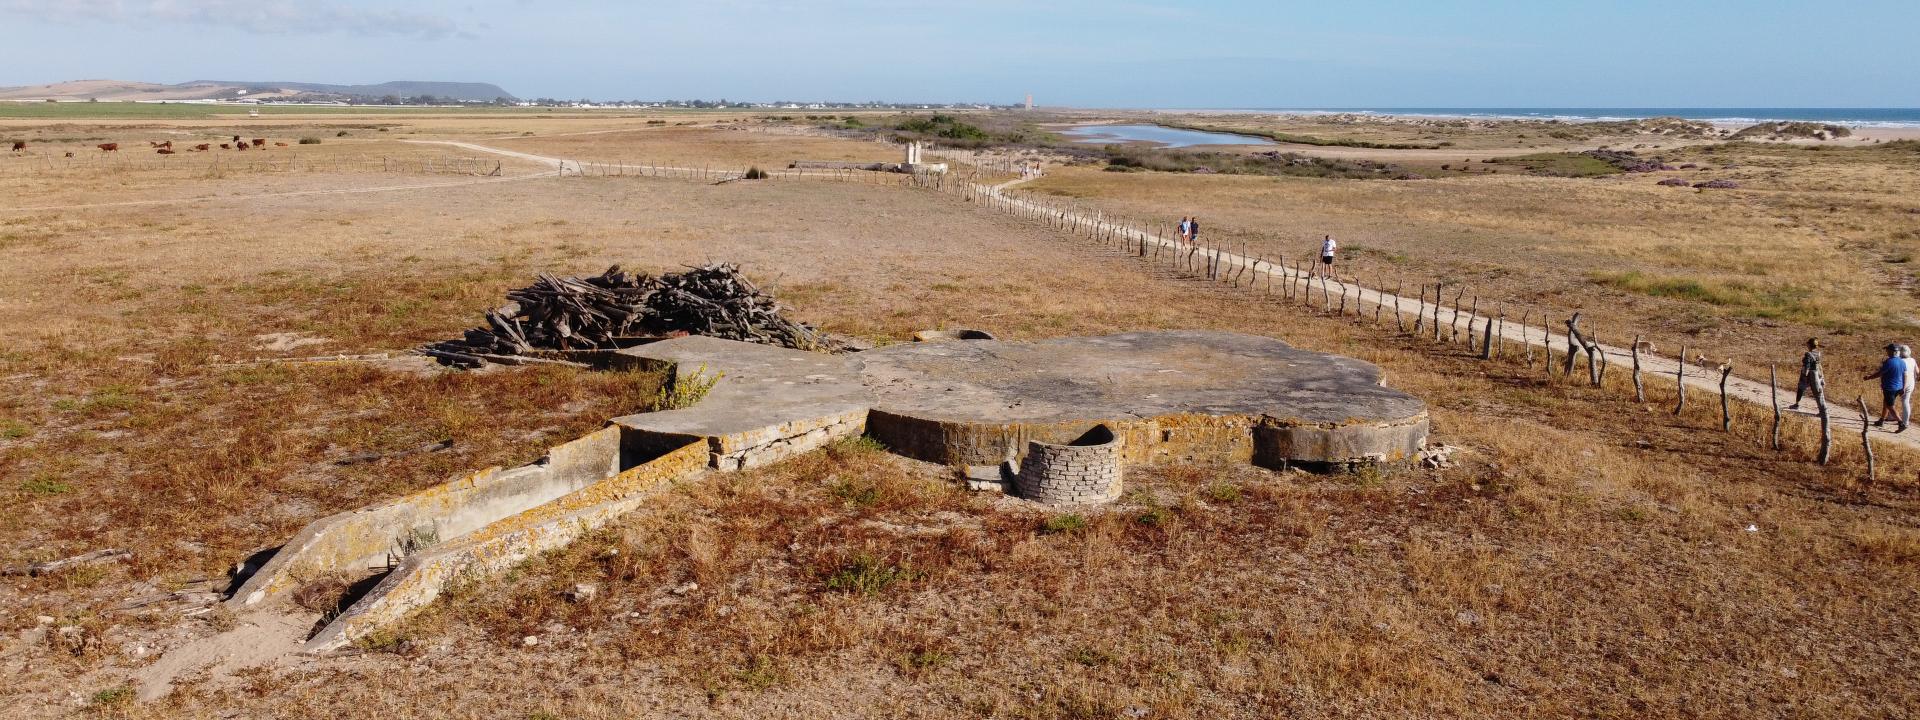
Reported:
(165, 151)
(201, 146)
(69, 153)
(224, 146)
(109, 147)
(239, 146)
(236, 139)
(259, 142)
(19, 145)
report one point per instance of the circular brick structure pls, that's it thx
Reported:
(1084, 471)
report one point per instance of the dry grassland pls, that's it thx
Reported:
(1814, 243)
(1587, 556)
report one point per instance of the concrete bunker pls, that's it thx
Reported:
(1058, 420)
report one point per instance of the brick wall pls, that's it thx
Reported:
(1087, 470)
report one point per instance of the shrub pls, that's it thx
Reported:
(865, 574)
(342, 133)
(1063, 524)
(309, 141)
(755, 173)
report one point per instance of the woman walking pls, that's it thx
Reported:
(1810, 380)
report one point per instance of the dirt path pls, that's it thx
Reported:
(1654, 368)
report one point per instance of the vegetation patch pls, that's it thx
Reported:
(1293, 139)
(1125, 159)
(1792, 131)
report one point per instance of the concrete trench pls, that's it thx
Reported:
(1059, 419)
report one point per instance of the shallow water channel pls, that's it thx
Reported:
(1157, 134)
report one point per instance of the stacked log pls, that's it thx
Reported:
(617, 309)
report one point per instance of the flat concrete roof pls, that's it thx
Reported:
(1135, 375)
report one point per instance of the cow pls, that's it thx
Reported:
(236, 139)
(109, 147)
(201, 147)
(19, 145)
(165, 151)
(239, 146)
(69, 153)
(259, 142)
(167, 145)
(224, 146)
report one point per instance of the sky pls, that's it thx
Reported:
(1123, 53)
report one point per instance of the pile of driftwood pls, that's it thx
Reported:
(618, 309)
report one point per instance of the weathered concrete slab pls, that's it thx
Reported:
(1176, 394)
(375, 537)
(768, 403)
(424, 575)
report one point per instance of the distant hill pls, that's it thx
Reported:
(234, 89)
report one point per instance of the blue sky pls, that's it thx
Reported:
(1129, 53)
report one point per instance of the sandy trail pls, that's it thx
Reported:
(1654, 368)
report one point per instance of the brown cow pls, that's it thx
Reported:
(239, 146)
(69, 153)
(259, 142)
(165, 151)
(108, 147)
(236, 139)
(224, 146)
(19, 145)
(201, 146)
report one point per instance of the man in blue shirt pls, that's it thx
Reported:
(1893, 381)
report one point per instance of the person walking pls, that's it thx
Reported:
(1186, 225)
(1193, 230)
(1906, 394)
(1893, 379)
(1811, 381)
(1327, 248)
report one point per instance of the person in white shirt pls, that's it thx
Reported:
(1906, 393)
(1327, 248)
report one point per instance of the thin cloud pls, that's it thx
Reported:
(266, 17)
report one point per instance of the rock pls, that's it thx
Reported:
(690, 586)
(583, 592)
(530, 641)
(1436, 457)
(1468, 617)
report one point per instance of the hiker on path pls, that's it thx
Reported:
(1327, 248)
(1193, 230)
(1893, 380)
(1811, 383)
(1185, 226)
(1906, 395)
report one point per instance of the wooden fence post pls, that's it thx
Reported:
(1680, 381)
(1726, 411)
(1438, 288)
(1866, 443)
(1420, 313)
(1399, 321)
(1639, 390)
(1826, 424)
(1525, 315)
(1773, 389)
(1453, 334)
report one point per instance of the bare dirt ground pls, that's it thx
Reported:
(1585, 556)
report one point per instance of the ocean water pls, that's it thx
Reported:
(1856, 117)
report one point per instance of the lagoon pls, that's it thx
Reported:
(1157, 134)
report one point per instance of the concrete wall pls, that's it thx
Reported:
(421, 578)
(1278, 446)
(357, 541)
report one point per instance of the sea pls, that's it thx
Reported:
(1855, 117)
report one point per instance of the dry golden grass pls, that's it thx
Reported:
(1750, 273)
(1587, 556)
